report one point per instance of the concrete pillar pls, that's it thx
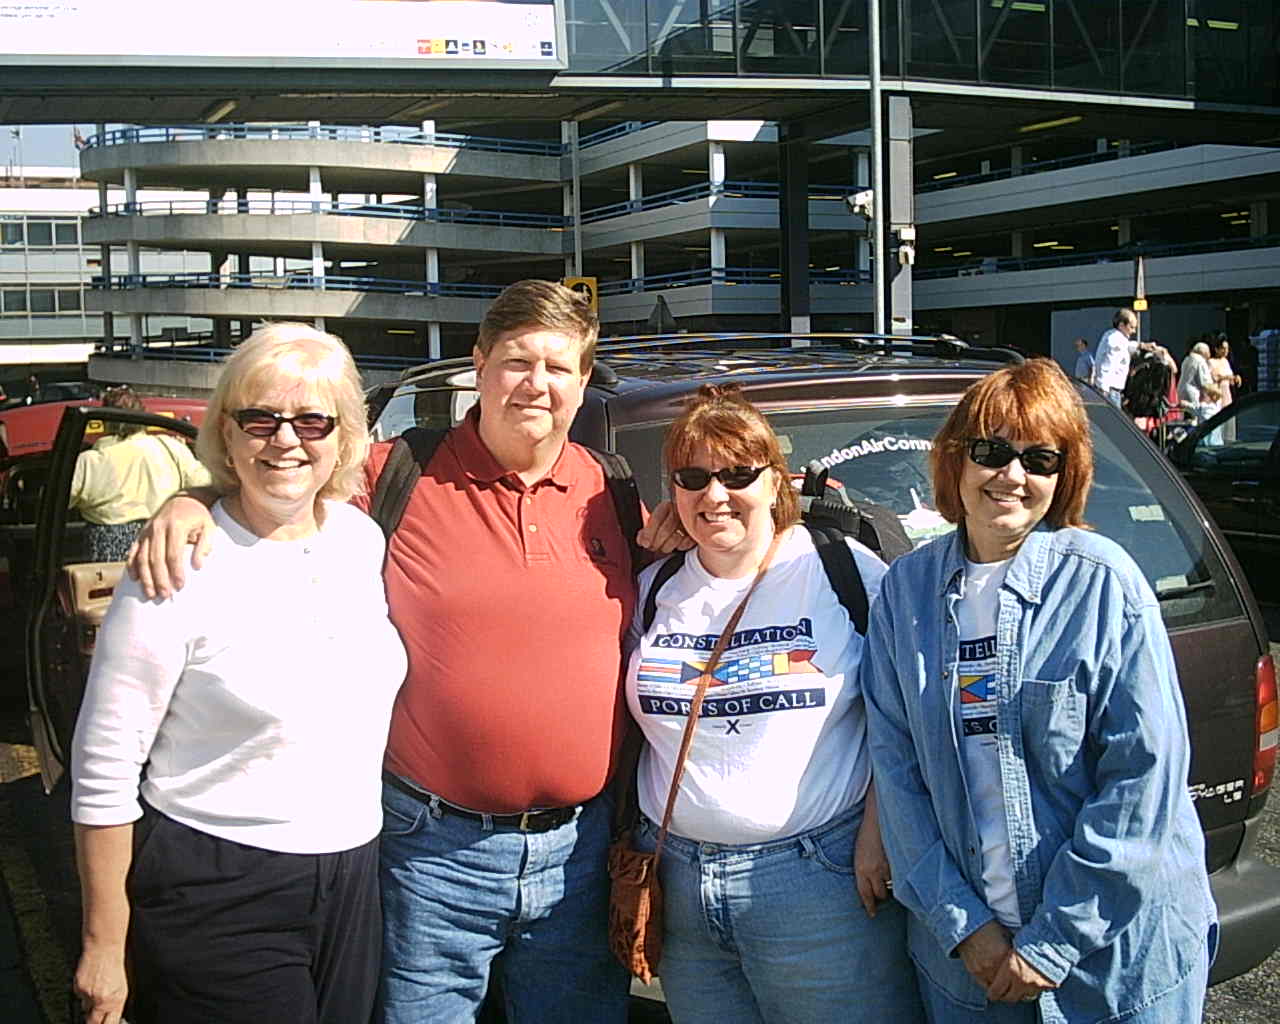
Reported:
(1258, 218)
(429, 132)
(718, 254)
(984, 167)
(134, 256)
(1125, 147)
(317, 266)
(1100, 145)
(104, 263)
(318, 323)
(1015, 159)
(715, 167)
(1125, 233)
(566, 208)
(313, 129)
(221, 332)
(1017, 244)
(793, 225)
(901, 214)
(569, 137)
(315, 190)
(635, 194)
(433, 339)
(861, 168)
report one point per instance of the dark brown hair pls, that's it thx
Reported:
(541, 305)
(123, 397)
(734, 430)
(1031, 401)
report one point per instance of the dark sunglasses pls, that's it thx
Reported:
(308, 426)
(994, 453)
(735, 478)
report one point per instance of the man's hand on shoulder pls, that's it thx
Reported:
(663, 534)
(157, 558)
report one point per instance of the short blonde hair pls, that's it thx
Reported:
(283, 354)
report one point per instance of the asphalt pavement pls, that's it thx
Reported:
(40, 910)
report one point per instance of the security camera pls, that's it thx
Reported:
(861, 203)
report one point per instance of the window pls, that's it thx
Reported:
(39, 232)
(882, 455)
(11, 233)
(42, 300)
(13, 300)
(65, 233)
(69, 300)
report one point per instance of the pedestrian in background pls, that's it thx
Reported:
(1084, 361)
(1115, 347)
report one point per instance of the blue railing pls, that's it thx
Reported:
(297, 280)
(185, 350)
(706, 189)
(394, 211)
(1040, 166)
(325, 132)
(399, 135)
(1006, 264)
(726, 275)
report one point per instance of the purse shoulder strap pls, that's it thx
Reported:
(704, 680)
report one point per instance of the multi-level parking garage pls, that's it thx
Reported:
(397, 237)
(1050, 144)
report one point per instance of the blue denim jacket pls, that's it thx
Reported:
(1107, 850)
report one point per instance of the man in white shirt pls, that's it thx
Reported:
(1111, 364)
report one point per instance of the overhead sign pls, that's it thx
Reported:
(285, 33)
(587, 287)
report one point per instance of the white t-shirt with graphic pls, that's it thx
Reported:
(780, 747)
(976, 615)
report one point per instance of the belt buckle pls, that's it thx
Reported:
(524, 821)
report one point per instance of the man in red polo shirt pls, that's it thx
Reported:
(511, 584)
(510, 581)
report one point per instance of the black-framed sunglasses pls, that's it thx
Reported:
(994, 453)
(735, 478)
(307, 426)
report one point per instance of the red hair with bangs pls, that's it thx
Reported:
(1031, 401)
(736, 432)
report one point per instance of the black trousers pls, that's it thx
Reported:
(223, 933)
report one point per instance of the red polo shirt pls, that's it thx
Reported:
(512, 601)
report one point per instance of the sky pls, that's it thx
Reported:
(42, 145)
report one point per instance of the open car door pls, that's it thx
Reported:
(68, 596)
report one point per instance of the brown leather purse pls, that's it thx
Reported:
(635, 896)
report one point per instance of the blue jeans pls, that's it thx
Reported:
(1183, 1004)
(458, 894)
(774, 932)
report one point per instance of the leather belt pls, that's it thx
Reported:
(524, 821)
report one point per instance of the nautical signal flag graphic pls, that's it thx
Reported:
(977, 689)
(739, 670)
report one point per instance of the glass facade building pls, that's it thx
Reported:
(1219, 51)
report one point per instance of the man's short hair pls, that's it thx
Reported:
(546, 306)
(1124, 315)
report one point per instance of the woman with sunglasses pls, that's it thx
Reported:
(226, 763)
(1029, 738)
(762, 887)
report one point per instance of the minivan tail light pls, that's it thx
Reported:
(1264, 758)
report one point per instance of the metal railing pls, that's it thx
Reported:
(706, 189)
(1040, 166)
(270, 207)
(193, 350)
(393, 134)
(295, 280)
(1007, 264)
(727, 276)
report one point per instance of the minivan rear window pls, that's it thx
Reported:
(881, 454)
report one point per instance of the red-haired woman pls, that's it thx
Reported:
(1029, 738)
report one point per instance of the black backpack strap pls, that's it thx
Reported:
(842, 572)
(626, 501)
(410, 454)
(665, 571)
